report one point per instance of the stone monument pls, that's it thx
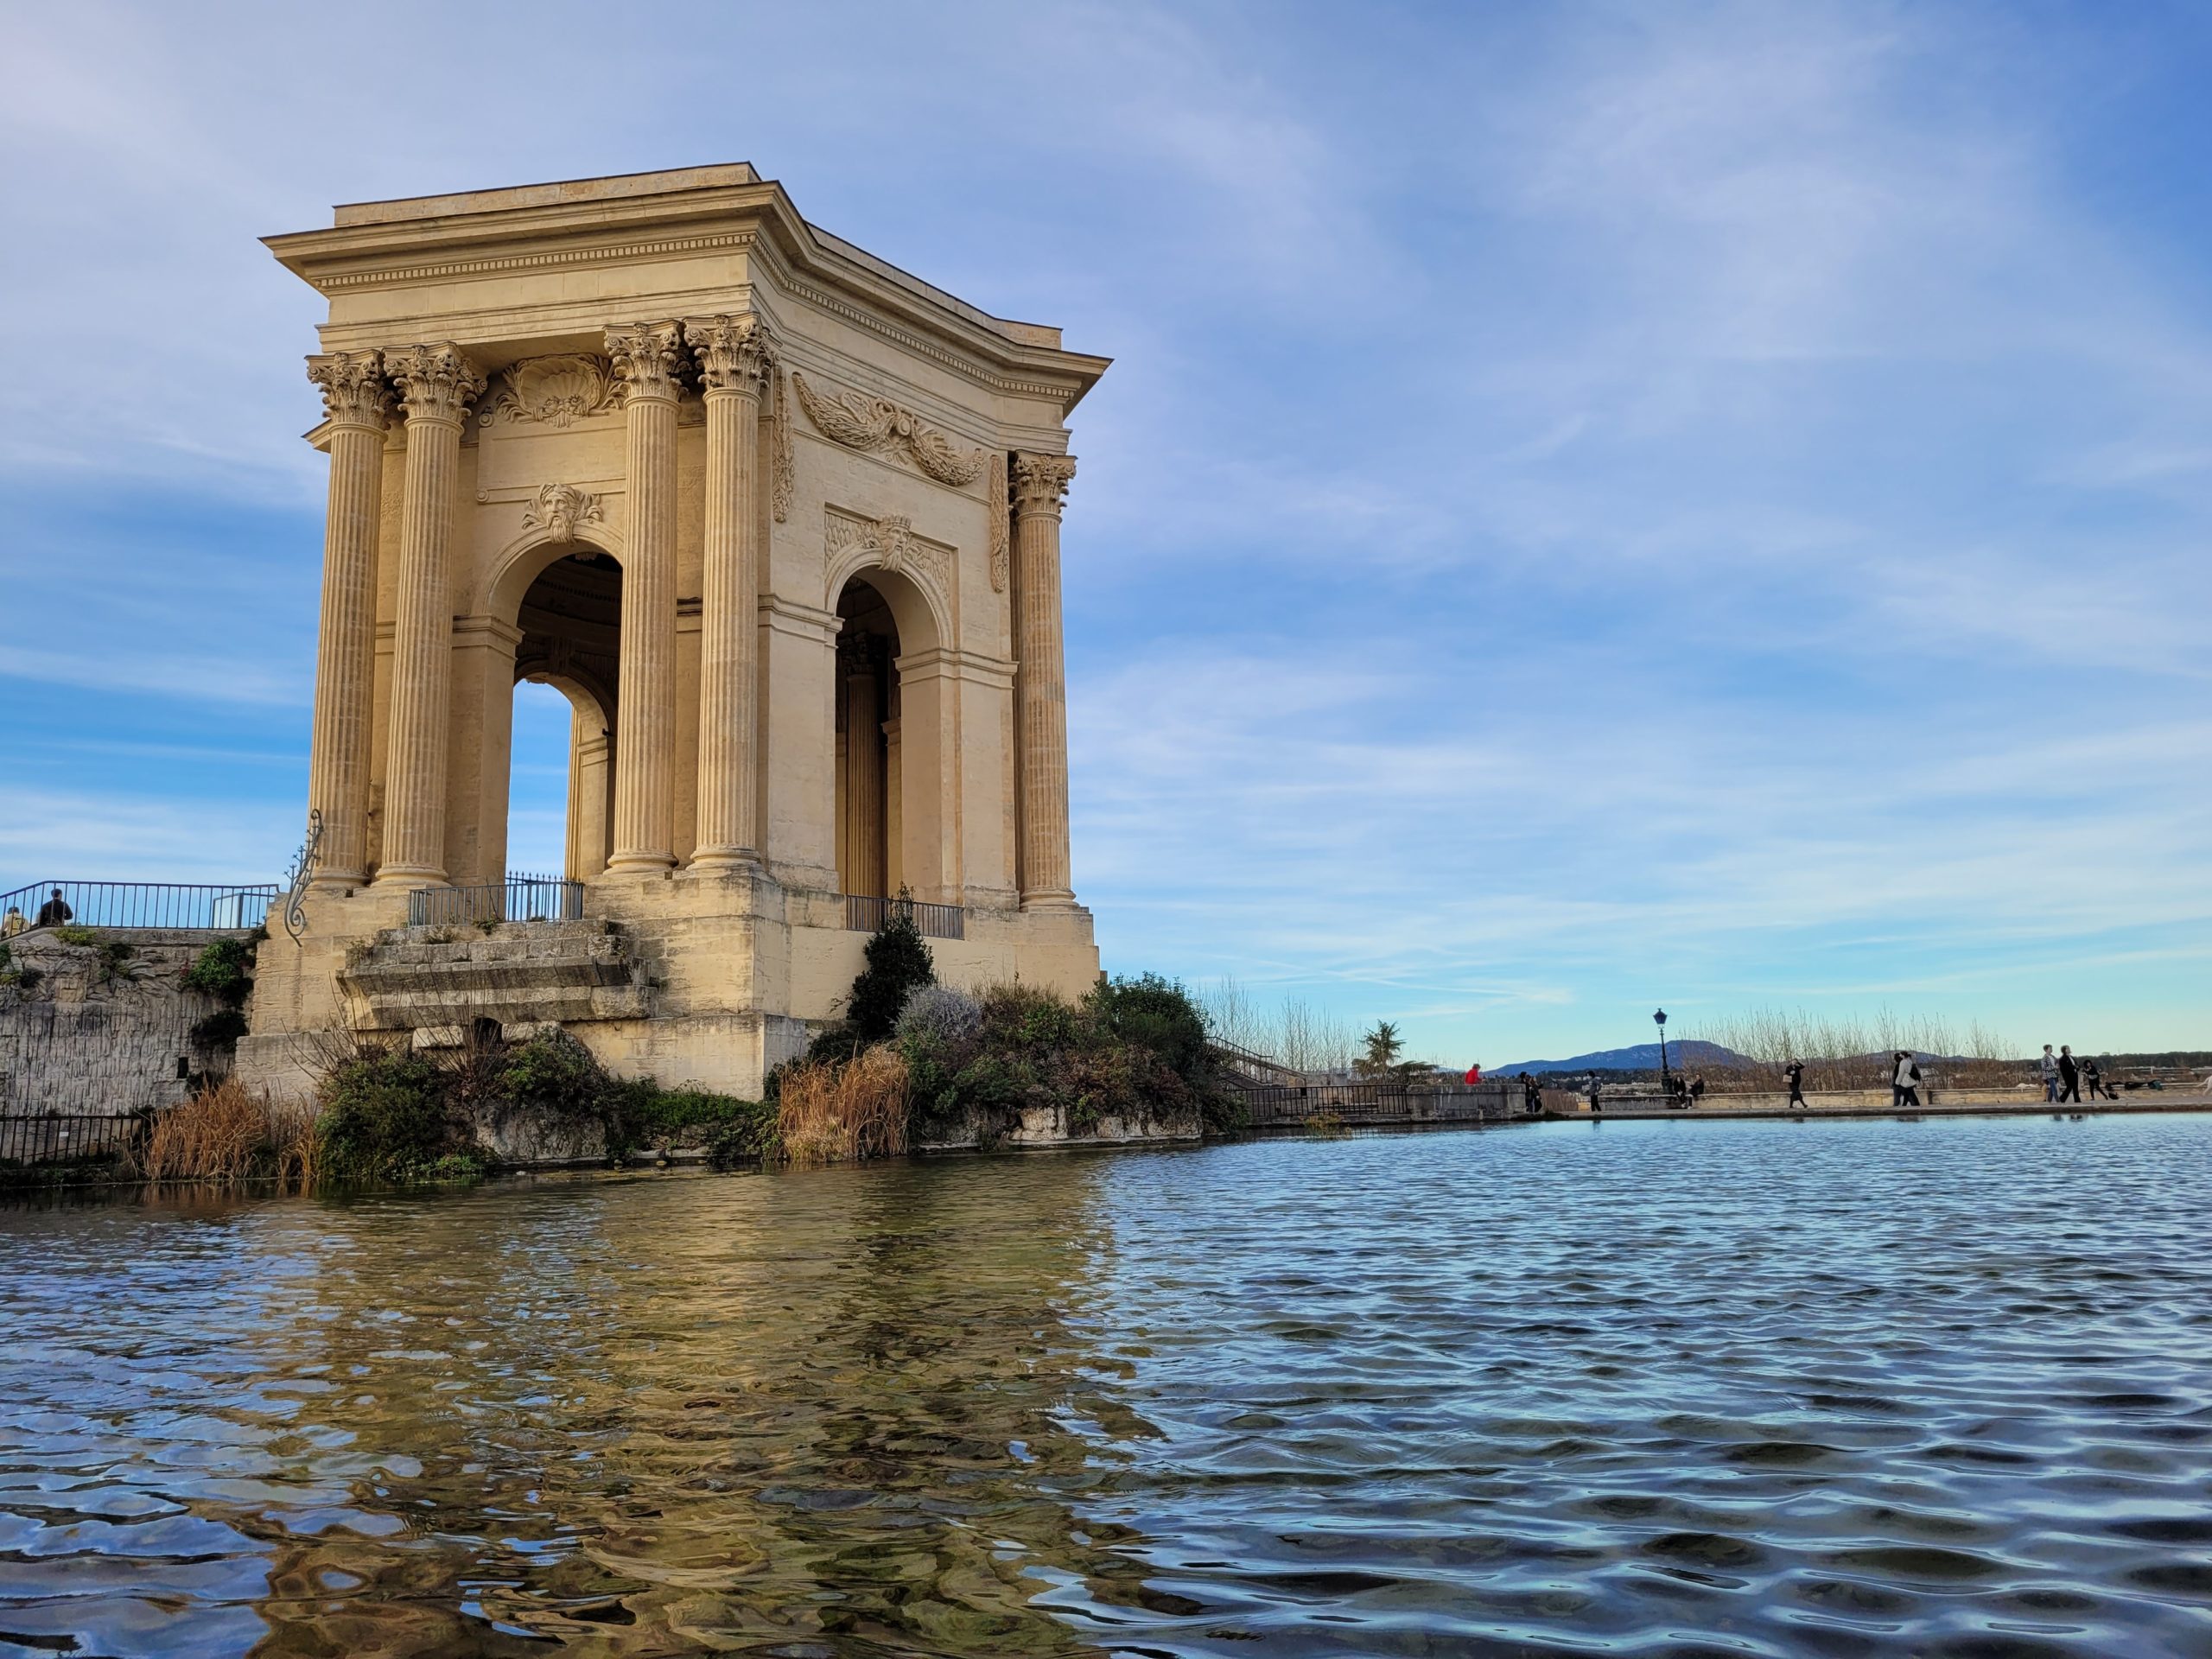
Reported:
(781, 522)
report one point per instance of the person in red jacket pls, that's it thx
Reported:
(1474, 1074)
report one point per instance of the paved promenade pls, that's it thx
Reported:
(1962, 1103)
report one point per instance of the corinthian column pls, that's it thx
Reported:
(1040, 707)
(435, 384)
(734, 358)
(356, 401)
(647, 358)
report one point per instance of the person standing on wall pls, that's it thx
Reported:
(1796, 1072)
(1597, 1098)
(2069, 1075)
(2049, 1077)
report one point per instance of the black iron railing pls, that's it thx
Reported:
(518, 899)
(208, 906)
(54, 1138)
(865, 913)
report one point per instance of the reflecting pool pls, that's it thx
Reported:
(1942, 1388)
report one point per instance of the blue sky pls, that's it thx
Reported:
(1596, 505)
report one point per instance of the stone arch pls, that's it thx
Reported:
(895, 803)
(522, 560)
(923, 611)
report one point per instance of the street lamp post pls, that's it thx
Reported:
(1660, 1020)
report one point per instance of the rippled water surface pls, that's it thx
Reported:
(1936, 1388)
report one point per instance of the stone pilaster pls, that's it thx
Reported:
(648, 358)
(358, 404)
(435, 385)
(1040, 681)
(735, 356)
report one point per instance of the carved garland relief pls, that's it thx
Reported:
(1000, 506)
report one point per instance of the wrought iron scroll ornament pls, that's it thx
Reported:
(295, 914)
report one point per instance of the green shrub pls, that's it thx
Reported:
(83, 937)
(898, 965)
(223, 970)
(386, 1117)
(556, 1074)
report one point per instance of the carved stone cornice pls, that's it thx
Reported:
(735, 353)
(555, 390)
(860, 422)
(435, 383)
(780, 468)
(354, 389)
(649, 358)
(1040, 482)
(560, 510)
(1000, 505)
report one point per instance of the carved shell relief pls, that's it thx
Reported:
(860, 422)
(889, 541)
(554, 390)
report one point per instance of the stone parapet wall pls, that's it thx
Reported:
(84, 1036)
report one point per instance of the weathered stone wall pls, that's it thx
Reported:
(86, 1037)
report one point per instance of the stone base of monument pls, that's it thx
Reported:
(708, 983)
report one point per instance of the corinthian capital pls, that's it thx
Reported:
(735, 353)
(435, 383)
(1041, 481)
(648, 356)
(354, 392)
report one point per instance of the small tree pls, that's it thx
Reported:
(1384, 1045)
(898, 965)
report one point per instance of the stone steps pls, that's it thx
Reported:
(519, 973)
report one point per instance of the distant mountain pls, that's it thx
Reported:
(1687, 1056)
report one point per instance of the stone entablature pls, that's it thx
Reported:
(659, 442)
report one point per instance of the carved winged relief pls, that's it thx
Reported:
(554, 390)
(860, 422)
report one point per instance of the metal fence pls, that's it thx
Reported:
(867, 914)
(54, 1137)
(518, 899)
(208, 906)
(1378, 1103)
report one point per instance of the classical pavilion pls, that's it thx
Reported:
(779, 521)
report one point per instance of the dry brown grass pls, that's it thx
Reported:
(832, 1114)
(214, 1137)
(227, 1133)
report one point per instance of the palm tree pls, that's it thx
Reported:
(1383, 1047)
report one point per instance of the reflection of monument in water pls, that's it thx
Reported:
(781, 523)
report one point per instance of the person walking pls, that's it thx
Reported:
(2069, 1075)
(1796, 1072)
(1597, 1098)
(2049, 1077)
(54, 911)
(1904, 1082)
(2094, 1076)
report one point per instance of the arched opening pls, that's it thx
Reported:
(571, 620)
(868, 758)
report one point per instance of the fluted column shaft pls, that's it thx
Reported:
(647, 358)
(733, 358)
(435, 384)
(356, 404)
(1040, 681)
